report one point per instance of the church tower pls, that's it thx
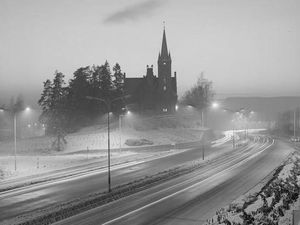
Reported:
(154, 93)
(165, 81)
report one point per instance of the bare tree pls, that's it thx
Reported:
(200, 95)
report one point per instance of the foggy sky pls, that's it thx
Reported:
(246, 47)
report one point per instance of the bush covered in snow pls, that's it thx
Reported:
(268, 206)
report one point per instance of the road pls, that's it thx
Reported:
(36, 197)
(32, 198)
(192, 198)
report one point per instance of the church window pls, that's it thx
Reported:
(165, 63)
(165, 88)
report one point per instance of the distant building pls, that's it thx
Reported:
(155, 93)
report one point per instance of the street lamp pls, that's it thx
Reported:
(120, 126)
(191, 106)
(239, 111)
(108, 104)
(15, 112)
(294, 123)
(215, 105)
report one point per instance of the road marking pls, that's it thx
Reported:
(187, 188)
(92, 171)
(88, 172)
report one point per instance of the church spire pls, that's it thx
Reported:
(164, 48)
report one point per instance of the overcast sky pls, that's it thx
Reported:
(246, 47)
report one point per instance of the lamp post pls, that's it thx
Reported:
(108, 104)
(120, 127)
(15, 139)
(213, 105)
(120, 130)
(294, 123)
(241, 110)
(15, 112)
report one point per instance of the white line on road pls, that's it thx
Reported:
(187, 188)
(3, 194)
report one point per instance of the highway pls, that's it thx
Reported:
(192, 198)
(30, 198)
(159, 203)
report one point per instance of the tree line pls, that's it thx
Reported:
(65, 107)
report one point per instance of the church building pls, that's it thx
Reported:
(154, 93)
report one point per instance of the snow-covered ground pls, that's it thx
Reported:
(272, 203)
(98, 141)
(36, 155)
(28, 165)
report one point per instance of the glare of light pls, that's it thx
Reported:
(1, 110)
(252, 112)
(29, 125)
(128, 112)
(215, 105)
(27, 109)
(176, 107)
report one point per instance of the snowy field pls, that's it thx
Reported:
(35, 155)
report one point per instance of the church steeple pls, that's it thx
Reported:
(164, 54)
(164, 47)
(166, 88)
(164, 60)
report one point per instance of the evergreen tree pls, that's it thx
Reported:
(45, 100)
(68, 107)
(118, 78)
(79, 107)
(106, 84)
(101, 86)
(95, 91)
(53, 101)
(118, 82)
(59, 92)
